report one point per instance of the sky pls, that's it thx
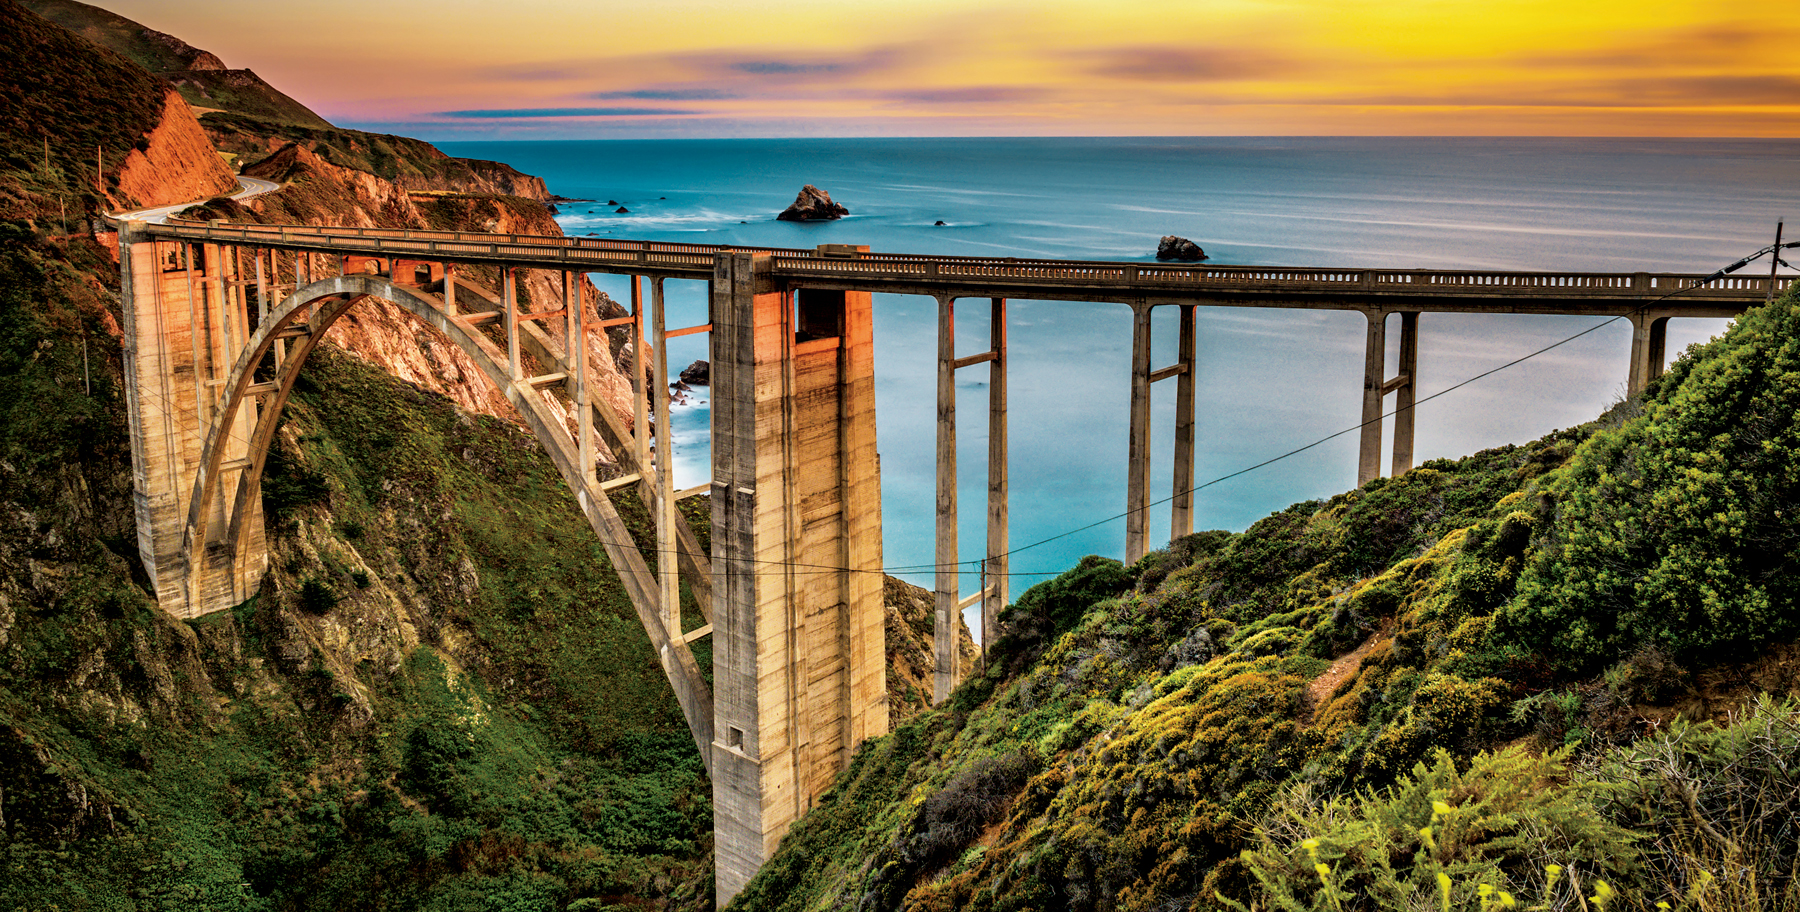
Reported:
(567, 69)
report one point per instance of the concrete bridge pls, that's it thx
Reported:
(220, 318)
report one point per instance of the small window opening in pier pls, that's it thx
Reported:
(818, 314)
(734, 737)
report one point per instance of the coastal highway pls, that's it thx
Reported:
(252, 186)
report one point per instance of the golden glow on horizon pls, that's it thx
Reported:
(710, 67)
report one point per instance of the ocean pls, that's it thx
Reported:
(1269, 380)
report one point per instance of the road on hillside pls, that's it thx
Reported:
(252, 186)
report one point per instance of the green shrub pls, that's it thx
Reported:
(1501, 823)
(1677, 530)
(1719, 805)
(317, 596)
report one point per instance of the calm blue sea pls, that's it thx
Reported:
(1270, 380)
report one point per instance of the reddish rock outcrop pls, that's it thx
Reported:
(322, 193)
(174, 163)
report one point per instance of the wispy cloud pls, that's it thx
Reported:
(973, 95)
(782, 67)
(1188, 64)
(665, 95)
(521, 113)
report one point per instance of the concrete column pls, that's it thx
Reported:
(450, 289)
(1406, 391)
(944, 628)
(1181, 504)
(1368, 462)
(1649, 335)
(640, 406)
(509, 315)
(993, 599)
(798, 652)
(575, 334)
(667, 568)
(1137, 474)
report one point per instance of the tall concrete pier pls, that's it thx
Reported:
(186, 323)
(219, 320)
(799, 655)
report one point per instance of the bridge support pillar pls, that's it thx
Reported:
(1137, 475)
(1181, 503)
(799, 653)
(1376, 386)
(946, 609)
(947, 615)
(185, 321)
(1649, 335)
(1137, 470)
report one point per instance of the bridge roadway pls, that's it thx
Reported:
(798, 661)
(844, 266)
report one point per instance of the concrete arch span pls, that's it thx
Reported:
(219, 526)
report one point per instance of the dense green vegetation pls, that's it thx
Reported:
(1475, 670)
(404, 719)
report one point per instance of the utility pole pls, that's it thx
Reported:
(1774, 262)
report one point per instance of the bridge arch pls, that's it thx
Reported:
(302, 320)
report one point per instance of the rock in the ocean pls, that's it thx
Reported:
(612, 202)
(812, 205)
(622, 210)
(698, 373)
(939, 223)
(1179, 248)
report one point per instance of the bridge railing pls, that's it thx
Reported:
(696, 260)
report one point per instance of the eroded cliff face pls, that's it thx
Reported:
(175, 162)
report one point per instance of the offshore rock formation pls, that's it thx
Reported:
(1179, 248)
(812, 205)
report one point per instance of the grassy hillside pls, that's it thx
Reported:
(1455, 678)
(404, 719)
(413, 163)
(200, 77)
(62, 100)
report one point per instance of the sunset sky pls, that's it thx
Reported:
(468, 69)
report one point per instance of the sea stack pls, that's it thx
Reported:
(1179, 248)
(812, 205)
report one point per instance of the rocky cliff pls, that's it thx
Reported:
(321, 193)
(410, 163)
(173, 163)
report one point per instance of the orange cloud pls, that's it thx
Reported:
(811, 67)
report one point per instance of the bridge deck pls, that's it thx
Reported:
(839, 267)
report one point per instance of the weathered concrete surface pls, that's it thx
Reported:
(798, 644)
(184, 324)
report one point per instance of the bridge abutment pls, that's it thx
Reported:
(799, 655)
(186, 319)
